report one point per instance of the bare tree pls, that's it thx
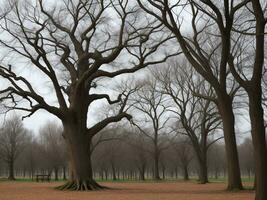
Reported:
(13, 138)
(74, 45)
(207, 47)
(138, 143)
(252, 82)
(217, 160)
(150, 104)
(198, 118)
(31, 155)
(247, 161)
(184, 155)
(54, 147)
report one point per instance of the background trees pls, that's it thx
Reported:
(209, 55)
(13, 139)
(54, 148)
(128, 151)
(196, 117)
(151, 119)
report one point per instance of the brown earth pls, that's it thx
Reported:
(123, 191)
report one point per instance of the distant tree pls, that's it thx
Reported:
(30, 158)
(140, 153)
(217, 160)
(54, 147)
(198, 117)
(184, 155)
(108, 150)
(247, 157)
(13, 139)
(151, 118)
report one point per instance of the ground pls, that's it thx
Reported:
(123, 191)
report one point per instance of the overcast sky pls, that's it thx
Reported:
(43, 86)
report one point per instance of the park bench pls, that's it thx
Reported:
(43, 177)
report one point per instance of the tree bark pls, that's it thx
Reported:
(78, 141)
(259, 142)
(228, 119)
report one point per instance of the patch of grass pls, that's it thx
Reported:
(224, 180)
(27, 180)
(192, 179)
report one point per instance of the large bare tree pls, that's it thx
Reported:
(73, 45)
(207, 47)
(251, 40)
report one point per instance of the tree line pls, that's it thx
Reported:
(118, 155)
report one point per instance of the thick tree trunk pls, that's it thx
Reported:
(259, 142)
(11, 170)
(228, 119)
(78, 141)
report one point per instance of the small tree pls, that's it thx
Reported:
(54, 147)
(13, 139)
(198, 118)
(153, 119)
(184, 155)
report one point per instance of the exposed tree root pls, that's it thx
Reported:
(81, 186)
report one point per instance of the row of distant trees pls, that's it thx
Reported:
(118, 154)
(23, 154)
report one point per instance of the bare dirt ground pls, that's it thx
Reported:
(123, 191)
